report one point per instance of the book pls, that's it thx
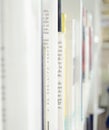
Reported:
(89, 122)
(84, 21)
(90, 43)
(0, 65)
(50, 60)
(91, 39)
(61, 67)
(86, 53)
(76, 86)
(87, 45)
(21, 65)
(74, 75)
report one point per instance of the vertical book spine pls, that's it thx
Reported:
(50, 40)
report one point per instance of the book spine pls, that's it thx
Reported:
(86, 53)
(61, 66)
(76, 76)
(34, 63)
(1, 65)
(74, 73)
(21, 60)
(50, 40)
(61, 81)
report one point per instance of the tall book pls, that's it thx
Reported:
(61, 66)
(90, 120)
(0, 66)
(76, 86)
(74, 70)
(50, 77)
(21, 65)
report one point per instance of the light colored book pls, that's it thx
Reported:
(0, 65)
(76, 75)
(50, 77)
(61, 72)
(21, 73)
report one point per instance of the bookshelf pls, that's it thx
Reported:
(30, 37)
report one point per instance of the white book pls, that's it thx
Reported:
(76, 84)
(74, 72)
(50, 43)
(21, 83)
(0, 67)
(87, 53)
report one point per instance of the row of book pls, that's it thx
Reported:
(63, 105)
(43, 68)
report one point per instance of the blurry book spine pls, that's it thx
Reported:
(61, 67)
(84, 16)
(74, 75)
(86, 124)
(90, 120)
(90, 49)
(90, 43)
(21, 65)
(2, 66)
(86, 53)
(87, 45)
(83, 55)
(50, 79)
